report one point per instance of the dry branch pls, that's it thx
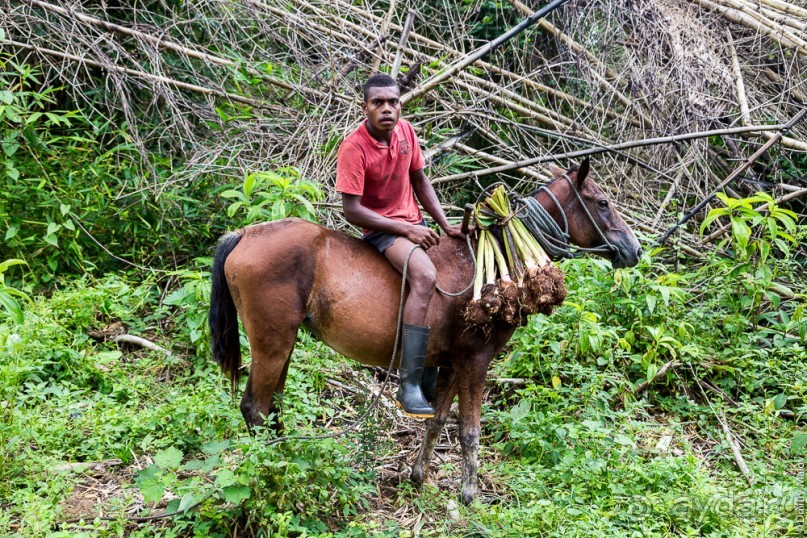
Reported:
(82, 466)
(641, 387)
(384, 31)
(161, 42)
(611, 148)
(735, 450)
(142, 342)
(396, 66)
(480, 52)
(142, 74)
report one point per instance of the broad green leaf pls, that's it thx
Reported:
(10, 147)
(188, 501)
(168, 458)
(225, 478)
(214, 447)
(6, 96)
(108, 356)
(9, 303)
(249, 185)
(779, 401)
(623, 440)
(152, 490)
(278, 210)
(231, 193)
(652, 370)
(713, 214)
(741, 233)
(236, 494)
(8, 263)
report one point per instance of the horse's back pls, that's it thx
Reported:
(295, 272)
(291, 272)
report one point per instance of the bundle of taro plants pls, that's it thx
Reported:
(515, 278)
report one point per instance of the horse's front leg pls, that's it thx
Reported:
(445, 392)
(470, 384)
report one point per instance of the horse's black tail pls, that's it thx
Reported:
(223, 317)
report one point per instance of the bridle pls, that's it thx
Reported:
(561, 237)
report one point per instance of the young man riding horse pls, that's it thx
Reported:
(379, 173)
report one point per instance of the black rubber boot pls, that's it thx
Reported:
(428, 383)
(413, 356)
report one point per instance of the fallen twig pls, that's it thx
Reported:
(641, 387)
(735, 450)
(79, 467)
(138, 341)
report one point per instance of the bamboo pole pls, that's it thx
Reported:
(745, 114)
(537, 86)
(766, 14)
(141, 74)
(778, 35)
(384, 32)
(785, 7)
(396, 66)
(458, 66)
(604, 149)
(473, 152)
(735, 450)
(170, 45)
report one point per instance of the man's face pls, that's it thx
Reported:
(383, 108)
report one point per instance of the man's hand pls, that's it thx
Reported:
(423, 236)
(456, 231)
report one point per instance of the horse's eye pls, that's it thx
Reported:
(603, 203)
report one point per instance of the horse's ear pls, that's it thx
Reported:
(582, 172)
(556, 170)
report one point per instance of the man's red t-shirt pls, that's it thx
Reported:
(380, 173)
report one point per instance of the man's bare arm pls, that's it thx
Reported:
(428, 199)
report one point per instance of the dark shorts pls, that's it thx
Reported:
(382, 240)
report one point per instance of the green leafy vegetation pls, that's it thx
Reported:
(578, 448)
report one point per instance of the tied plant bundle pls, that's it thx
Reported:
(515, 278)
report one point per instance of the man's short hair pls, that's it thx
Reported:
(380, 80)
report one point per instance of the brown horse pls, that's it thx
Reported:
(280, 275)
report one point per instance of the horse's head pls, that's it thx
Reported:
(593, 222)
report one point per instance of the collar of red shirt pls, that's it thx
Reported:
(381, 145)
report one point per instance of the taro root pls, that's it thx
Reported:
(490, 298)
(537, 284)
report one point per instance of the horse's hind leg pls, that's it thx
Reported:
(445, 392)
(271, 354)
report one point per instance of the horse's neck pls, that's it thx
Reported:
(546, 201)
